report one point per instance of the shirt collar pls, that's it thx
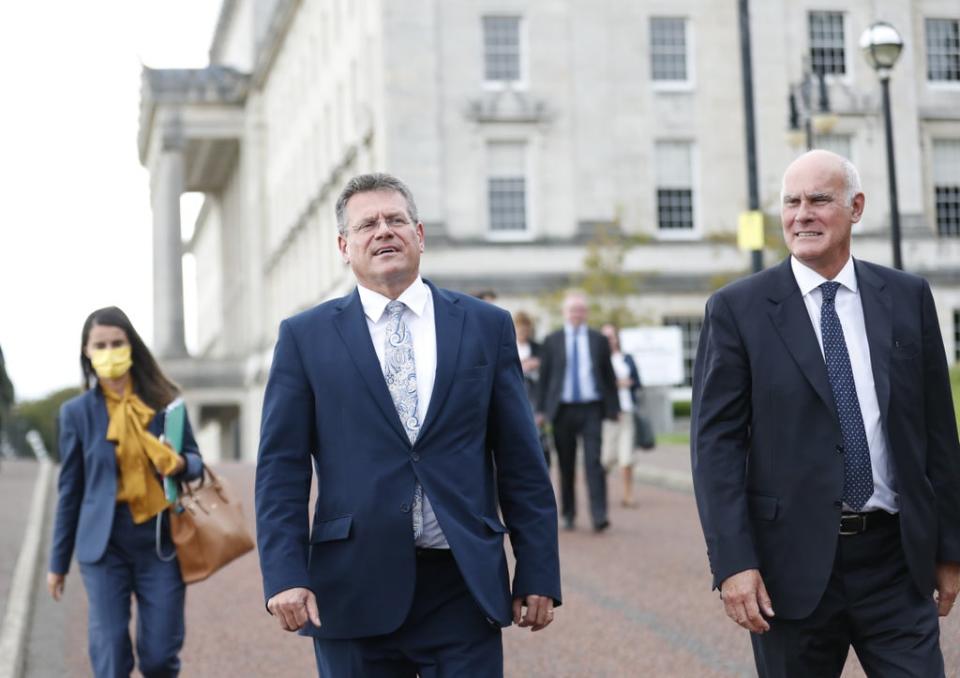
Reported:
(414, 297)
(571, 330)
(809, 280)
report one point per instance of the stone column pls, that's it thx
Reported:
(168, 185)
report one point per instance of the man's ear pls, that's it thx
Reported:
(859, 200)
(420, 233)
(342, 246)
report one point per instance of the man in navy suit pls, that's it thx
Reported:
(824, 446)
(410, 403)
(577, 391)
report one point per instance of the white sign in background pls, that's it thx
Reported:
(658, 352)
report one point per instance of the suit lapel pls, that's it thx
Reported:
(351, 323)
(878, 319)
(448, 318)
(790, 317)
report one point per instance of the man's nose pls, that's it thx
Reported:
(382, 228)
(803, 212)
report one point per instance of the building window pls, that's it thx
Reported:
(943, 49)
(507, 187)
(501, 48)
(690, 329)
(946, 185)
(674, 186)
(836, 143)
(668, 49)
(827, 54)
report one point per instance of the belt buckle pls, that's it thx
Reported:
(859, 517)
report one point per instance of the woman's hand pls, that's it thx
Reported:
(181, 464)
(55, 583)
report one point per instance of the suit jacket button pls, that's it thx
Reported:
(840, 449)
(405, 508)
(415, 456)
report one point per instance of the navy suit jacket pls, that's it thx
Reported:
(88, 478)
(553, 370)
(327, 403)
(766, 442)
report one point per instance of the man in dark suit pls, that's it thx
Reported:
(410, 404)
(577, 391)
(824, 447)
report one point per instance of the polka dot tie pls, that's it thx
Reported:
(857, 470)
(400, 372)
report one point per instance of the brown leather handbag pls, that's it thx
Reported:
(207, 527)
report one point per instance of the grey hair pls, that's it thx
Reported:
(376, 181)
(851, 179)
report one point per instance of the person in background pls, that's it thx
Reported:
(618, 435)
(577, 392)
(111, 497)
(530, 352)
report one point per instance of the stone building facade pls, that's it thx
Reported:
(523, 127)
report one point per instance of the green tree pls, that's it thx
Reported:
(6, 395)
(607, 285)
(41, 415)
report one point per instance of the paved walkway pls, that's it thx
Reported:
(17, 479)
(636, 603)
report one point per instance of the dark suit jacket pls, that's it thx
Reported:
(477, 455)
(766, 441)
(88, 478)
(553, 368)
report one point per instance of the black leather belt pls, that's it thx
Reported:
(857, 523)
(434, 554)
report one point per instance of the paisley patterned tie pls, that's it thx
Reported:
(400, 372)
(857, 469)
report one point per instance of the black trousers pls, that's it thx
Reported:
(870, 603)
(584, 420)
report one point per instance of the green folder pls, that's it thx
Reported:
(173, 433)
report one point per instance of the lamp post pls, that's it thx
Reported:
(881, 45)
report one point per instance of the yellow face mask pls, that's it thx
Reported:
(112, 363)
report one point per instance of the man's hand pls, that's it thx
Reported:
(744, 598)
(293, 607)
(948, 585)
(55, 584)
(540, 419)
(539, 612)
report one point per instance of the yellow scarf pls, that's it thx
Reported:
(140, 455)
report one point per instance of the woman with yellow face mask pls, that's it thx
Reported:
(111, 501)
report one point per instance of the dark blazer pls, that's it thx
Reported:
(477, 455)
(766, 442)
(553, 368)
(88, 478)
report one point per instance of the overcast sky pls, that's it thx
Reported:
(75, 223)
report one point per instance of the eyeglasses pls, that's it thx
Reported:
(394, 221)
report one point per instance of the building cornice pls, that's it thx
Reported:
(227, 10)
(213, 85)
(269, 46)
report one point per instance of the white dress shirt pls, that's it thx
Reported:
(850, 312)
(418, 316)
(576, 340)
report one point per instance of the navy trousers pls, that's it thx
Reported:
(445, 635)
(130, 567)
(870, 603)
(585, 420)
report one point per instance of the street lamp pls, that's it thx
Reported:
(881, 45)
